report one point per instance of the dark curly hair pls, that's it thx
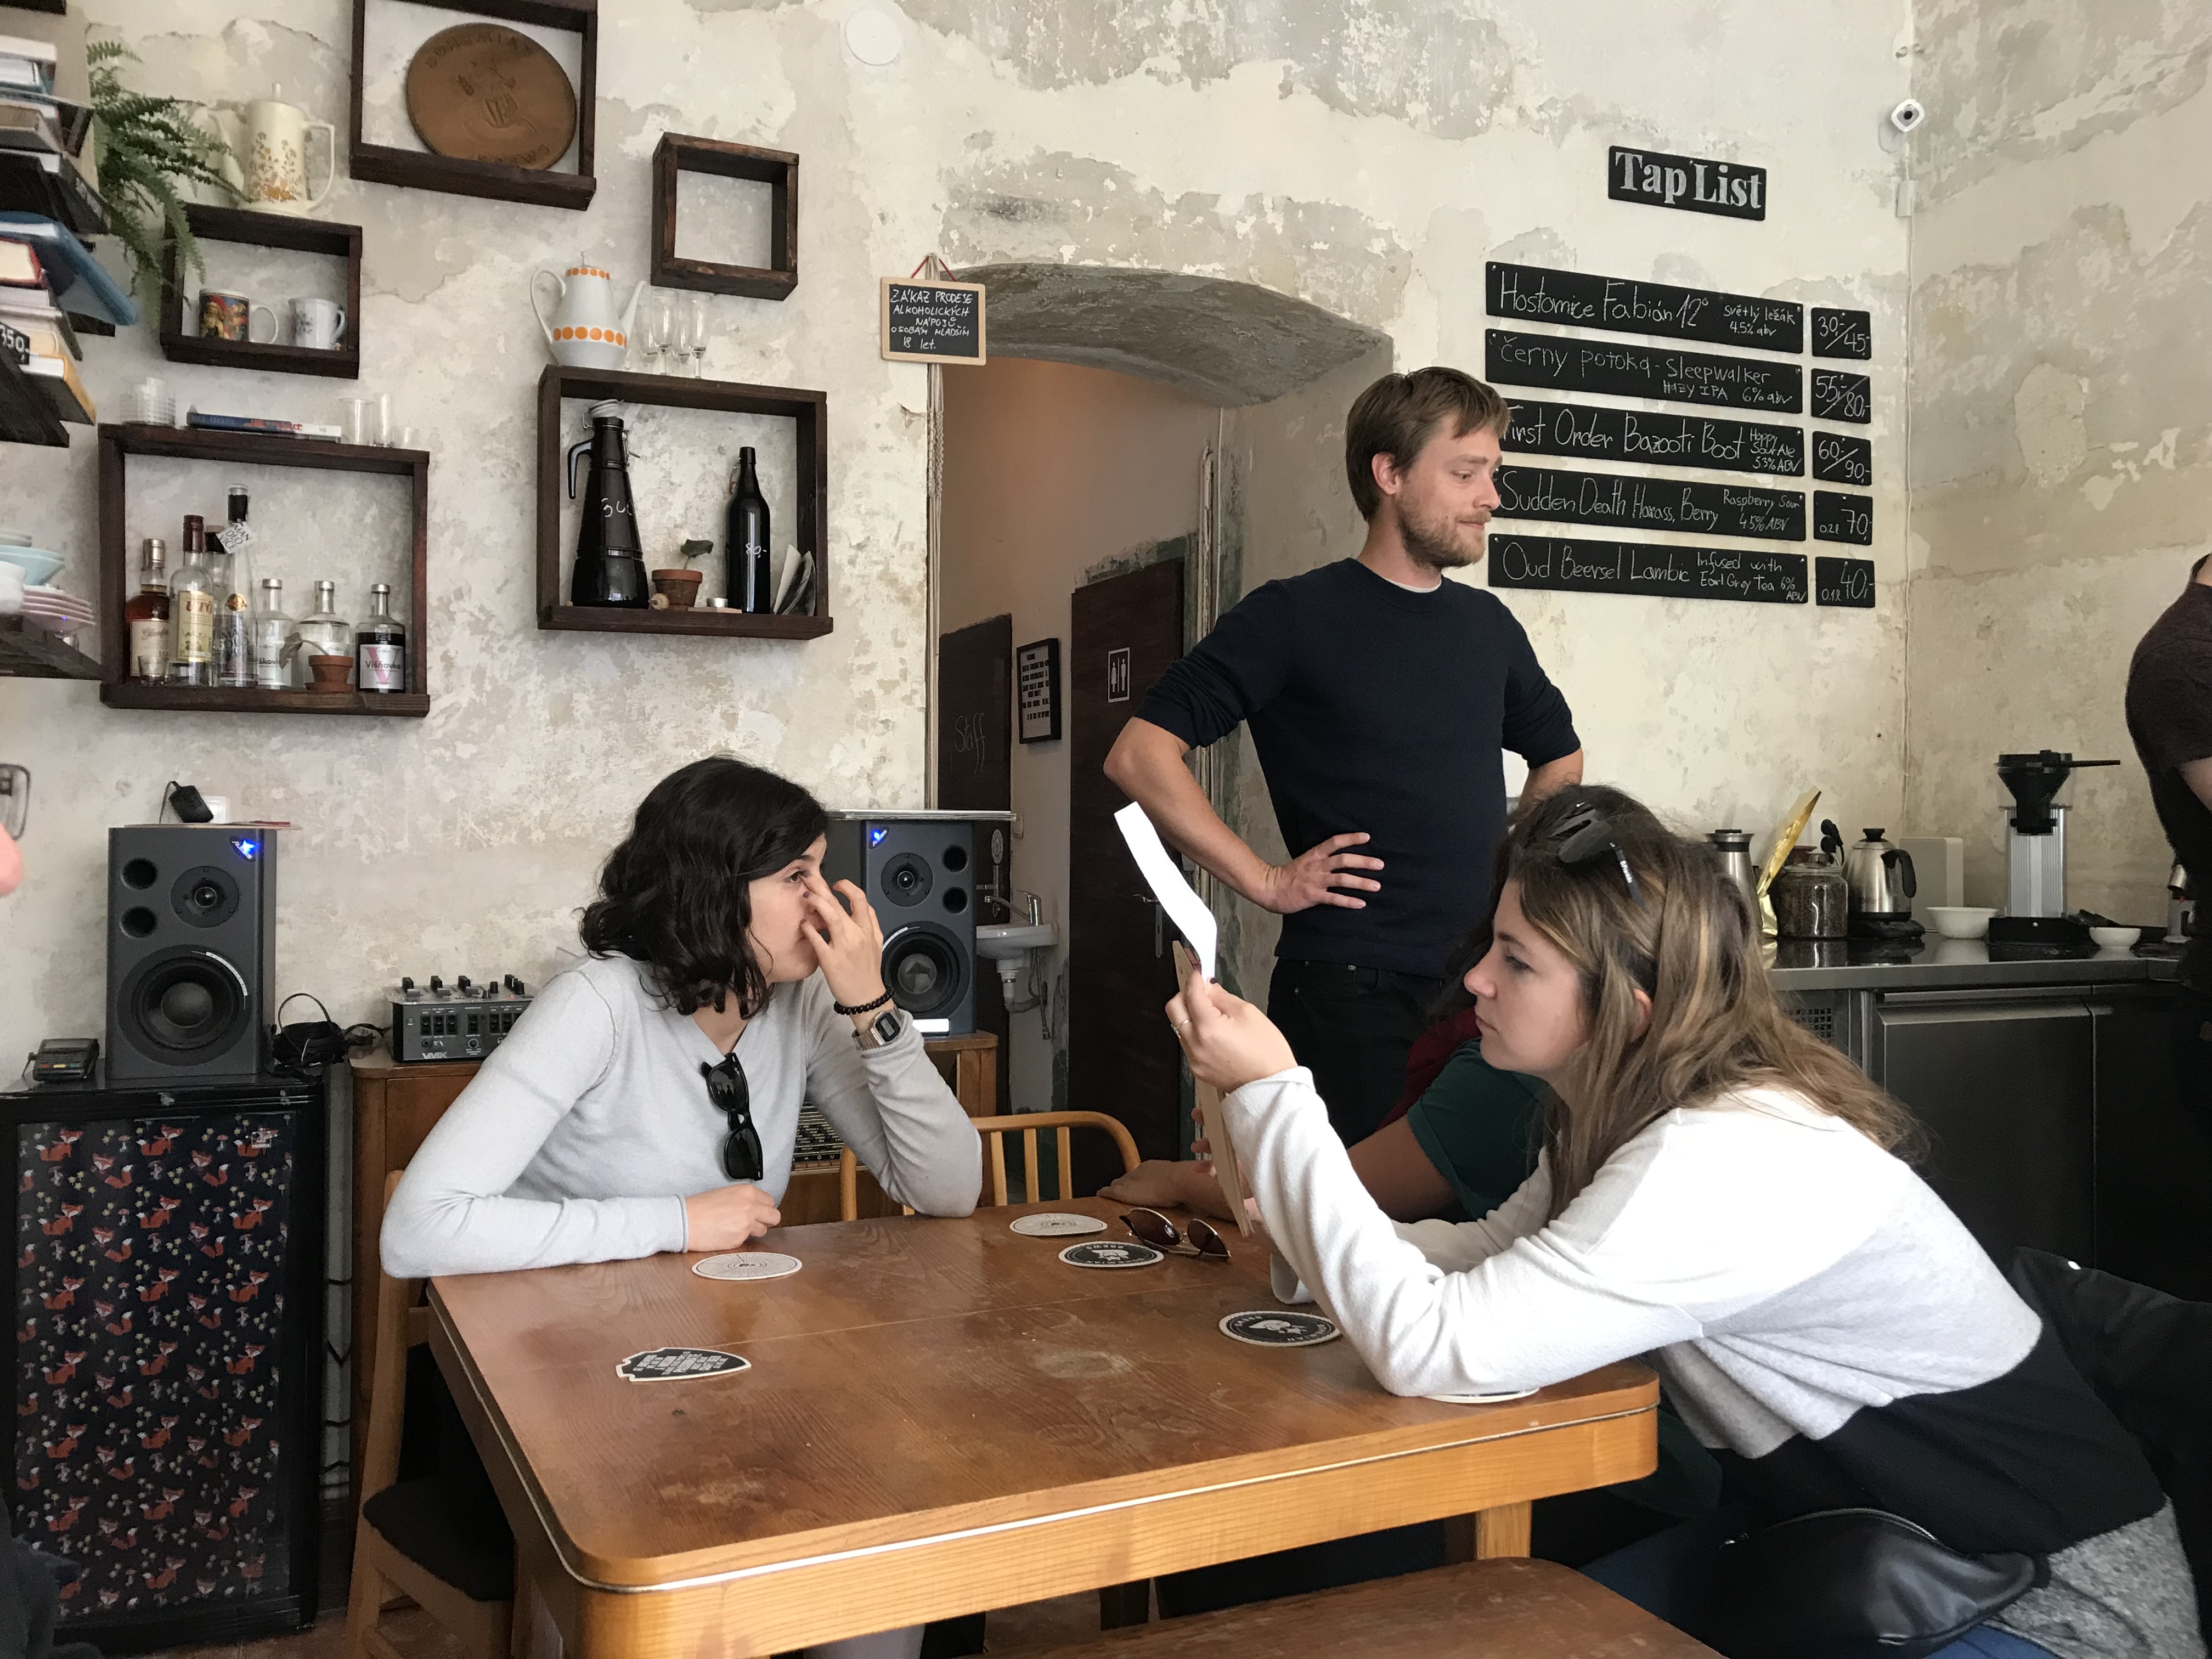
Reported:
(675, 894)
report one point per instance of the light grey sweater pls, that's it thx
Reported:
(589, 1126)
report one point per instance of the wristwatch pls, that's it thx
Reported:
(884, 1029)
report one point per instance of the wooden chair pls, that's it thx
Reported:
(995, 1131)
(416, 1513)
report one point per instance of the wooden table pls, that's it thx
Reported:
(942, 1416)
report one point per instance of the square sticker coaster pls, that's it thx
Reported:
(680, 1365)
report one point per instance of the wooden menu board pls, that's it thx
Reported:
(1623, 503)
(1562, 364)
(1572, 299)
(1649, 570)
(1711, 443)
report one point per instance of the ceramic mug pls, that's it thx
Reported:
(234, 317)
(276, 159)
(316, 323)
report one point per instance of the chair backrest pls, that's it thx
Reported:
(400, 1325)
(995, 1131)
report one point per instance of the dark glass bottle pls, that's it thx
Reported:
(750, 576)
(380, 648)
(609, 567)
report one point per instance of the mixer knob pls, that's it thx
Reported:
(437, 986)
(461, 981)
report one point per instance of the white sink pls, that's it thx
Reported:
(1011, 941)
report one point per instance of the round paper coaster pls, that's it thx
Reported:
(1111, 1255)
(746, 1265)
(1481, 1398)
(1056, 1224)
(1272, 1327)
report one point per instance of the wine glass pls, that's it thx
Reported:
(696, 334)
(657, 330)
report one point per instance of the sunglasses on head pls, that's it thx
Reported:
(1154, 1229)
(1586, 838)
(733, 1097)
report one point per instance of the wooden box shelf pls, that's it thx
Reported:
(119, 443)
(778, 169)
(28, 652)
(181, 342)
(809, 410)
(388, 164)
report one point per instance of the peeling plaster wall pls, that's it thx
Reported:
(2061, 408)
(1050, 471)
(1362, 156)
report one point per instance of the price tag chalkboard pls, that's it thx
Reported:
(1531, 293)
(1847, 582)
(1626, 371)
(1837, 396)
(932, 322)
(1840, 517)
(1838, 458)
(1571, 565)
(1626, 503)
(1706, 442)
(1842, 333)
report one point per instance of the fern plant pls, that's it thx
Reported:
(147, 148)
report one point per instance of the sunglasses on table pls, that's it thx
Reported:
(1154, 1229)
(733, 1097)
(1586, 838)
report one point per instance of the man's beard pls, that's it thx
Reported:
(1433, 542)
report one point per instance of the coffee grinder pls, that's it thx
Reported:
(2035, 830)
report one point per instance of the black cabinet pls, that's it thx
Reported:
(2153, 1148)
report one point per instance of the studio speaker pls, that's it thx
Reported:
(918, 873)
(192, 935)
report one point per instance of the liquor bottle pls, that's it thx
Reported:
(233, 584)
(323, 632)
(272, 639)
(146, 617)
(609, 570)
(749, 573)
(380, 649)
(192, 611)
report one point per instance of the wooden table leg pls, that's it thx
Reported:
(1123, 1605)
(1501, 1531)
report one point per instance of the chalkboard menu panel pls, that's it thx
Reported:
(1706, 442)
(1838, 458)
(1530, 293)
(1842, 333)
(1626, 371)
(1837, 396)
(932, 322)
(1840, 517)
(1844, 582)
(1573, 565)
(1626, 503)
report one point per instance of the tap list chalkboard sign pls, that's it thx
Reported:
(1840, 459)
(1837, 396)
(1705, 441)
(1560, 364)
(1842, 333)
(927, 322)
(1840, 517)
(1530, 293)
(1571, 565)
(1626, 503)
(1689, 184)
(1848, 582)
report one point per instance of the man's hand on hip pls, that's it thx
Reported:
(1316, 876)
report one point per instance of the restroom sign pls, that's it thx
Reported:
(1694, 184)
(1117, 674)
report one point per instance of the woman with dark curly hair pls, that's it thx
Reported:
(647, 1099)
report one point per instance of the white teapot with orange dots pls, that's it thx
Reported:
(585, 331)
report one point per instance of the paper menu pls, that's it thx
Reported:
(1184, 907)
(1213, 1122)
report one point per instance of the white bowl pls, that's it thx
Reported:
(37, 564)
(1960, 920)
(2115, 939)
(14, 539)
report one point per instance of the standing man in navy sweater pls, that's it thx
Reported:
(1380, 698)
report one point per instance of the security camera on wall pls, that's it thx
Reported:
(1908, 115)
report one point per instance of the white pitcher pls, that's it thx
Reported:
(274, 157)
(585, 331)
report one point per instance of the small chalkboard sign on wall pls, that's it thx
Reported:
(1847, 582)
(1615, 500)
(932, 322)
(1036, 690)
(1570, 299)
(1714, 444)
(1842, 333)
(1838, 517)
(1837, 396)
(1839, 459)
(1562, 364)
(1568, 564)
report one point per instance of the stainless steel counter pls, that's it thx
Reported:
(1800, 965)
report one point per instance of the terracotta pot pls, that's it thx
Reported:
(332, 674)
(680, 587)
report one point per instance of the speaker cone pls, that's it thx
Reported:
(183, 1004)
(205, 897)
(924, 968)
(905, 880)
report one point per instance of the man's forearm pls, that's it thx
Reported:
(1147, 765)
(1552, 776)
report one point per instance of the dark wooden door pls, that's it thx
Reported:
(975, 737)
(1122, 1059)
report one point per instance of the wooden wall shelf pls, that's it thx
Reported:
(810, 410)
(181, 338)
(119, 443)
(415, 169)
(28, 652)
(776, 169)
(27, 414)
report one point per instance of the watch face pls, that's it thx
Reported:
(887, 1025)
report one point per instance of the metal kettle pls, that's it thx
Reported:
(1880, 878)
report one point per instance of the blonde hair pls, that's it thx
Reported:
(1716, 1025)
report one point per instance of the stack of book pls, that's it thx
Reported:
(44, 166)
